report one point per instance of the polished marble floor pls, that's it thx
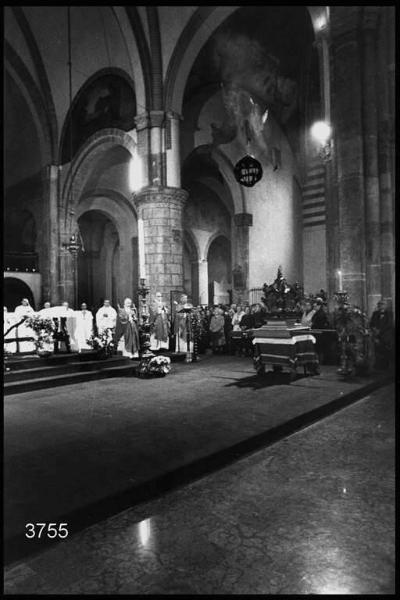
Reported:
(314, 513)
(81, 453)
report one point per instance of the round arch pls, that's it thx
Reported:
(212, 238)
(15, 288)
(191, 255)
(219, 260)
(113, 205)
(235, 192)
(78, 175)
(119, 212)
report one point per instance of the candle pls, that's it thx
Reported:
(340, 281)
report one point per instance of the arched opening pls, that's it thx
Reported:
(220, 271)
(14, 290)
(99, 264)
(207, 214)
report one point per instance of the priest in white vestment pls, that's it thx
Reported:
(46, 312)
(21, 311)
(83, 327)
(106, 317)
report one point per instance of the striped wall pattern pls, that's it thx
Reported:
(314, 208)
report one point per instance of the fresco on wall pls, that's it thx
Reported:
(107, 102)
(258, 59)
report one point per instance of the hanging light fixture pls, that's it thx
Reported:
(321, 131)
(248, 171)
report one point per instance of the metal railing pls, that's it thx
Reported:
(17, 339)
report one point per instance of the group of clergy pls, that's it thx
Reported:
(79, 324)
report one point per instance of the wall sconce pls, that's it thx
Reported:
(321, 132)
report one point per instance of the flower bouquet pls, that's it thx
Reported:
(104, 342)
(156, 366)
(43, 330)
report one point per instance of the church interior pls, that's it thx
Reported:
(169, 172)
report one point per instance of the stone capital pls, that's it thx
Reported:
(160, 195)
(153, 118)
(243, 219)
(142, 121)
(157, 118)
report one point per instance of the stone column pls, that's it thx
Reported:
(322, 44)
(203, 281)
(50, 268)
(160, 211)
(157, 175)
(243, 221)
(370, 127)
(143, 146)
(347, 119)
(66, 282)
(172, 150)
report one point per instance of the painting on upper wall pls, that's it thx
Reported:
(108, 101)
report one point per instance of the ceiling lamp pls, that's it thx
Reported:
(321, 131)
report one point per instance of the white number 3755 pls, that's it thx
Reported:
(51, 530)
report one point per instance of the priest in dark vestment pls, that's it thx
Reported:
(160, 323)
(127, 329)
(182, 326)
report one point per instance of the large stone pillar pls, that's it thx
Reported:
(347, 119)
(370, 130)
(331, 204)
(385, 82)
(160, 233)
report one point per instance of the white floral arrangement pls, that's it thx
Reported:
(43, 330)
(103, 341)
(160, 364)
(157, 365)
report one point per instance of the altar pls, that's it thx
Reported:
(285, 344)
